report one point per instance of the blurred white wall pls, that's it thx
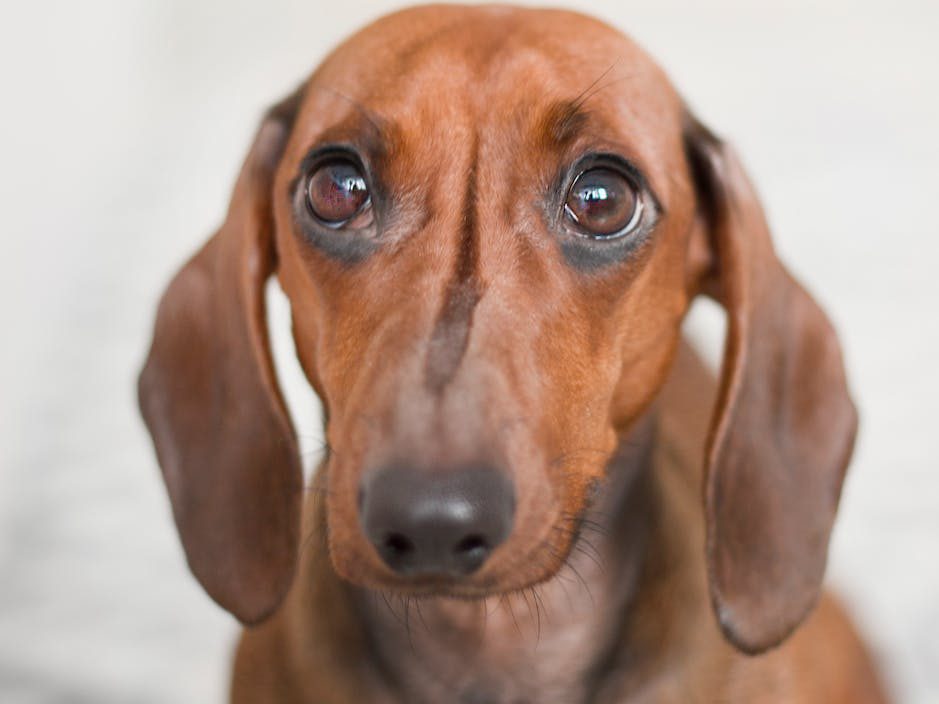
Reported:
(123, 125)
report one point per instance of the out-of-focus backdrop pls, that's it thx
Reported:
(123, 126)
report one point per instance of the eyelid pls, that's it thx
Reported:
(327, 152)
(609, 160)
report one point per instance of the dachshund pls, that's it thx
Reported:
(490, 223)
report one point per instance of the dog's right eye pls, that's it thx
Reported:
(603, 203)
(337, 195)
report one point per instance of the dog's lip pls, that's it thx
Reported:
(471, 587)
(447, 587)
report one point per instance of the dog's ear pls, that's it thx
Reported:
(209, 396)
(783, 427)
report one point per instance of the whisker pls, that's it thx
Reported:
(583, 582)
(407, 622)
(524, 594)
(508, 602)
(539, 607)
(397, 617)
(420, 615)
(579, 101)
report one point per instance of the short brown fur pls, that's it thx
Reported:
(670, 532)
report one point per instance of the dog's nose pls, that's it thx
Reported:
(436, 523)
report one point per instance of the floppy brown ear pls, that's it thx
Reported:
(784, 425)
(210, 399)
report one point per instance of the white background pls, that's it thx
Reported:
(123, 125)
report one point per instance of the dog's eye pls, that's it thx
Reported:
(337, 195)
(603, 203)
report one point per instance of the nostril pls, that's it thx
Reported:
(397, 550)
(398, 545)
(470, 553)
(471, 543)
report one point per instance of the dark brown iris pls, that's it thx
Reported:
(337, 192)
(603, 203)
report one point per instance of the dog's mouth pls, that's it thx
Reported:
(441, 586)
(471, 532)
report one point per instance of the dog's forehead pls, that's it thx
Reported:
(482, 38)
(434, 66)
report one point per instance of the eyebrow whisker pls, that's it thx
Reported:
(586, 94)
(374, 120)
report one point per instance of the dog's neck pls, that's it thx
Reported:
(552, 643)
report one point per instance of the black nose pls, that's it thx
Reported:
(436, 522)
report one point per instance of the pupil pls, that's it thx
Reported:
(337, 191)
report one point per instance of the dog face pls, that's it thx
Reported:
(489, 223)
(504, 290)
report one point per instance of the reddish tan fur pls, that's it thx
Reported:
(670, 530)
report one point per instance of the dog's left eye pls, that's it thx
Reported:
(603, 203)
(337, 195)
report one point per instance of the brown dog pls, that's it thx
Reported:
(490, 223)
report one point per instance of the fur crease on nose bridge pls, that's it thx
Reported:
(450, 336)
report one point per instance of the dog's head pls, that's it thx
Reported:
(489, 223)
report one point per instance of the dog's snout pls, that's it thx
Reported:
(436, 522)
